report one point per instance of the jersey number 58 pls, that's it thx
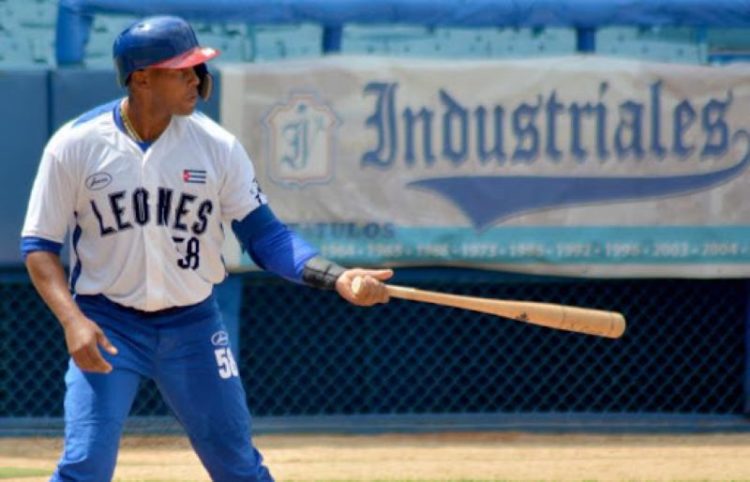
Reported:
(192, 257)
(226, 363)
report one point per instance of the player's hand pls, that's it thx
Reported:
(371, 289)
(83, 338)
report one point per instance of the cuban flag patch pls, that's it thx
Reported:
(195, 176)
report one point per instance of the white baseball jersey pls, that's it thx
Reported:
(146, 227)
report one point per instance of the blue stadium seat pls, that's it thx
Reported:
(728, 45)
(234, 29)
(36, 13)
(728, 38)
(27, 28)
(8, 21)
(238, 42)
(457, 43)
(283, 42)
(15, 52)
(43, 49)
(385, 40)
(527, 43)
(103, 32)
(233, 49)
(681, 45)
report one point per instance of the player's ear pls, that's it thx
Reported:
(139, 79)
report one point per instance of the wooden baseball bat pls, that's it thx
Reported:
(609, 324)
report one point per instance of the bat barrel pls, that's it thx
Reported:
(607, 324)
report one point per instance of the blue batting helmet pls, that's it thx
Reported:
(161, 42)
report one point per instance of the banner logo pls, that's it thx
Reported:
(300, 137)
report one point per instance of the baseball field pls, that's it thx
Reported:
(424, 457)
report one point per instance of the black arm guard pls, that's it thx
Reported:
(321, 273)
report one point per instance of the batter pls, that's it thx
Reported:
(145, 187)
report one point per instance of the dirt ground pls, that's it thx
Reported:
(433, 457)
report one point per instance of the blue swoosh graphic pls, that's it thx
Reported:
(487, 199)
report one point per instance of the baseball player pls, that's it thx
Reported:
(143, 185)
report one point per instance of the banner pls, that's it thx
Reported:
(575, 166)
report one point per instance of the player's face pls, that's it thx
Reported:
(176, 89)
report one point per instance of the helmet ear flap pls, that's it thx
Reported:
(206, 81)
(206, 86)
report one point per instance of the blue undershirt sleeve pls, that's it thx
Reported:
(272, 245)
(29, 244)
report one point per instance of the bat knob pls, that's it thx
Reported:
(357, 285)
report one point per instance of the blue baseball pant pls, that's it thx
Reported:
(186, 351)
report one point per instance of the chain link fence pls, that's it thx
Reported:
(307, 352)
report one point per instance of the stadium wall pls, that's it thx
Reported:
(682, 366)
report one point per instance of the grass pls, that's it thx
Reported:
(15, 472)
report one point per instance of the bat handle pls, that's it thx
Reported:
(393, 290)
(357, 285)
(358, 282)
